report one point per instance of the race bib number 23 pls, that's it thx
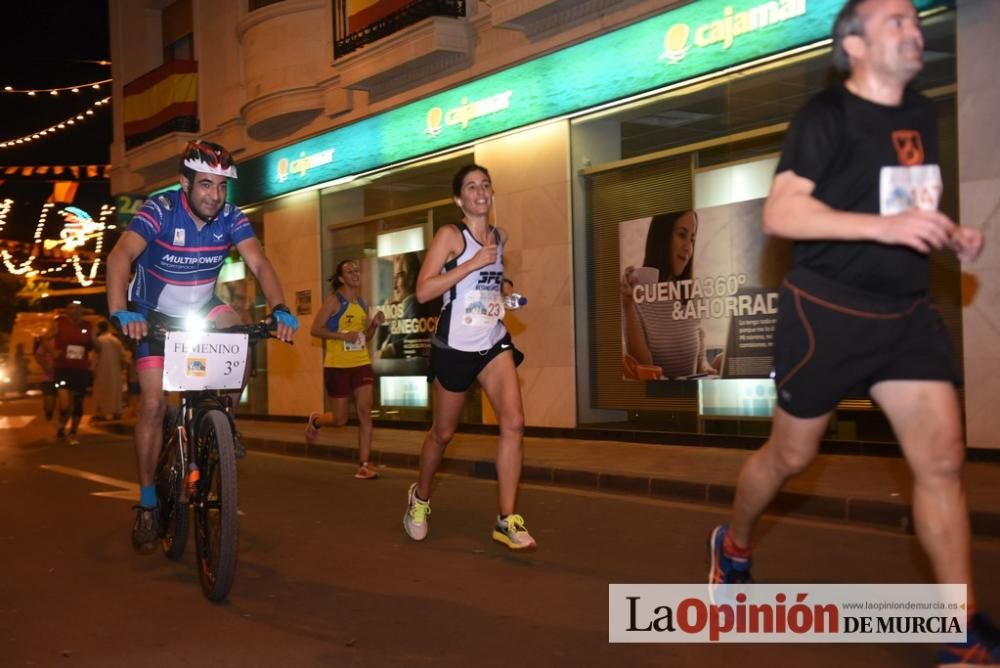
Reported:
(482, 308)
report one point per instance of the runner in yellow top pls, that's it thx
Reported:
(344, 324)
(348, 317)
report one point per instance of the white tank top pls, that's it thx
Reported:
(470, 317)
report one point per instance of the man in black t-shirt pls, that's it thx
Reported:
(857, 189)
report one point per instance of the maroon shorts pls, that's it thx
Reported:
(342, 382)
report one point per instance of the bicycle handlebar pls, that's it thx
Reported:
(257, 331)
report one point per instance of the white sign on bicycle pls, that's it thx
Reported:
(195, 361)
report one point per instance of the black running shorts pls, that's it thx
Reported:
(75, 380)
(832, 341)
(456, 370)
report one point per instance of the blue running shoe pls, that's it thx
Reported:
(982, 647)
(724, 570)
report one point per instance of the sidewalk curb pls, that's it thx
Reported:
(886, 515)
(869, 512)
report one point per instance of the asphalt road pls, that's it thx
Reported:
(327, 576)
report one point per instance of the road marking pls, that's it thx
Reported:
(15, 421)
(128, 491)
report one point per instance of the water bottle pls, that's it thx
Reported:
(514, 301)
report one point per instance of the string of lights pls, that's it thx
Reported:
(4, 210)
(38, 134)
(96, 85)
(78, 229)
(102, 226)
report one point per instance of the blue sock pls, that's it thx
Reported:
(147, 496)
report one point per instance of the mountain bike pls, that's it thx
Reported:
(197, 464)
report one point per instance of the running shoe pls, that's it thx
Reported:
(981, 648)
(146, 530)
(312, 431)
(512, 533)
(415, 519)
(366, 472)
(724, 569)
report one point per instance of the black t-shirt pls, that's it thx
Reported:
(842, 142)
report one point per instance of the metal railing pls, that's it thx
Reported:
(260, 4)
(345, 41)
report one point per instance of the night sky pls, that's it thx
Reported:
(45, 44)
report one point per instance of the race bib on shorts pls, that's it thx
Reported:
(482, 308)
(75, 352)
(905, 188)
(357, 345)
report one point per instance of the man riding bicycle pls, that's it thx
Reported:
(178, 242)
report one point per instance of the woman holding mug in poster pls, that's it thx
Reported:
(656, 344)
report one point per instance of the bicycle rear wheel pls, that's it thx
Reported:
(170, 488)
(216, 505)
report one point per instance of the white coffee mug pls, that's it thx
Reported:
(646, 275)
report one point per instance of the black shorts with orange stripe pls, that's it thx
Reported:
(832, 341)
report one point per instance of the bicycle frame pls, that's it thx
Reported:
(193, 405)
(197, 471)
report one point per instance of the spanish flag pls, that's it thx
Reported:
(162, 101)
(363, 13)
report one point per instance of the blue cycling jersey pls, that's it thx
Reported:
(176, 274)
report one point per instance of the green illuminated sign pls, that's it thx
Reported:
(699, 38)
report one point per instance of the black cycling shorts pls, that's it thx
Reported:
(456, 370)
(149, 352)
(832, 341)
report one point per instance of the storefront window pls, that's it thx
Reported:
(386, 222)
(699, 162)
(237, 287)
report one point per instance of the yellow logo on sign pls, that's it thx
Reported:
(437, 117)
(675, 44)
(303, 163)
(725, 30)
(196, 366)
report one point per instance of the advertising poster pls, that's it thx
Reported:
(403, 344)
(699, 294)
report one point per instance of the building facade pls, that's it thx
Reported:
(598, 120)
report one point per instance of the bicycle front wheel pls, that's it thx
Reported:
(216, 505)
(169, 489)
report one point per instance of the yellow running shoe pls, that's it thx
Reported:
(512, 533)
(415, 519)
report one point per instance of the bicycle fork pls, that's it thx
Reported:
(189, 463)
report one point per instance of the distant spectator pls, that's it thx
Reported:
(19, 366)
(74, 338)
(45, 356)
(108, 376)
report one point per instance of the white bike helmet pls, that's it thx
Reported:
(209, 158)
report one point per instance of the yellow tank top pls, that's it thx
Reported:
(342, 354)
